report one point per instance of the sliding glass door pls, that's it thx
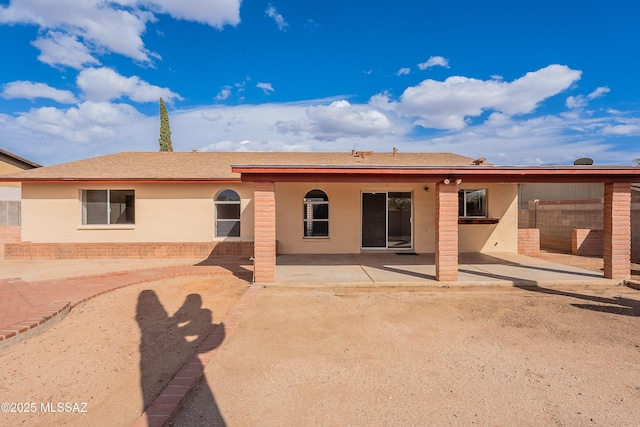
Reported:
(386, 220)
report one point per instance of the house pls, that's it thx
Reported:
(10, 192)
(206, 204)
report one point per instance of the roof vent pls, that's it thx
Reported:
(583, 161)
(479, 161)
(361, 154)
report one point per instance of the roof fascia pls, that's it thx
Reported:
(491, 174)
(17, 161)
(136, 180)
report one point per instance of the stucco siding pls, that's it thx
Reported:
(5, 169)
(185, 213)
(163, 213)
(502, 204)
(345, 218)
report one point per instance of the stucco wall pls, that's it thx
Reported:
(185, 213)
(5, 169)
(345, 218)
(163, 213)
(501, 237)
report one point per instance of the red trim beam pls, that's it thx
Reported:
(488, 174)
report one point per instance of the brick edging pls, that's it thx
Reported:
(56, 310)
(166, 405)
(34, 325)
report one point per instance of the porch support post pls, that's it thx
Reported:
(264, 201)
(446, 232)
(617, 230)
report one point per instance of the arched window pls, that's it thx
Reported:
(315, 214)
(227, 214)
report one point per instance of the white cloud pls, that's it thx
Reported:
(336, 120)
(89, 121)
(271, 12)
(598, 93)
(224, 93)
(581, 101)
(449, 104)
(51, 135)
(403, 71)
(73, 31)
(574, 102)
(216, 13)
(30, 90)
(62, 49)
(104, 84)
(434, 61)
(624, 127)
(266, 87)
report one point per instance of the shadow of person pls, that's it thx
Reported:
(167, 343)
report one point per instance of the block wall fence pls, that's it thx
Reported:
(557, 220)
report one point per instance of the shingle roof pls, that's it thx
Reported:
(217, 165)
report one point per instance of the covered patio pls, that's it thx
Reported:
(389, 269)
(447, 265)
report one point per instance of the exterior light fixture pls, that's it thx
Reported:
(446, 181)
(458, 181)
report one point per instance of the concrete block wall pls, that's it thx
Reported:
(587, 242)
(557, 219)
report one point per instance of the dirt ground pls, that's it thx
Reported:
(341, 356)
(113, 352)
(475, 356)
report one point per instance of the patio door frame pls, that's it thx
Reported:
(386, 230)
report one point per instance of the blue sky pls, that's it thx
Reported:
(520, 83)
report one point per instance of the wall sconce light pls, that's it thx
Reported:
(446, 181)
(458, 181)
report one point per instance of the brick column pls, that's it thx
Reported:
(264, 201)
(617, 230)
(446, 232)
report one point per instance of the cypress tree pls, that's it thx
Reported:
(165, 130)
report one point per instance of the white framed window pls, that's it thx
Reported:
(227, 214)
(315, 214)
(472, 203)
(107, 207)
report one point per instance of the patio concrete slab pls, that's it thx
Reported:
(387, 269)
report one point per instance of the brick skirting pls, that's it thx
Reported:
(8, 234)
(29, 250)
